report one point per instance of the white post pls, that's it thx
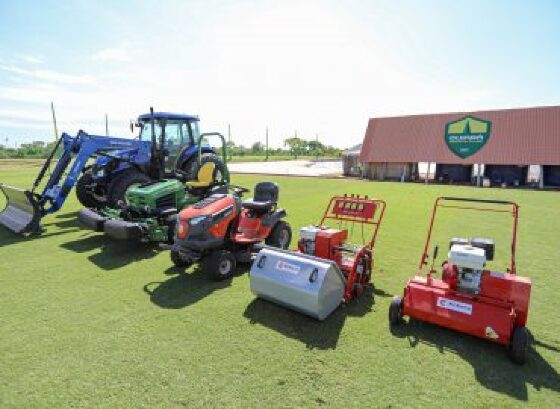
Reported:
(541, 176)
(427, 173)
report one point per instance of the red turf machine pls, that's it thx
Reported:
(327, 269)
(470, 298)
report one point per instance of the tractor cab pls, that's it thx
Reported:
(173, 133)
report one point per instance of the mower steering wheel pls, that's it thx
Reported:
(238, 190)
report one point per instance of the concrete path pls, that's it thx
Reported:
(289, 167)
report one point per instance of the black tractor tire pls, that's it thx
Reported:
(280, 236)
(84, 196)
(219, 265)
(178, 260)
(519, 345)
(191, 167)
(395, 311)
(120, 184)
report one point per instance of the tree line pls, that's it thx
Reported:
(294, 147)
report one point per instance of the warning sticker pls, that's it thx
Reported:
(453, 305)
(490, 333)
(287, 267)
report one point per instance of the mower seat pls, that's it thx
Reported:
(266, 197)
(204, 177)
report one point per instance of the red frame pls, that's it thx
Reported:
(514, 211)
(356, 209)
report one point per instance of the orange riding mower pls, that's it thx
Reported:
(223, 230)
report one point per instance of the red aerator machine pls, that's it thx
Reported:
(470, 298)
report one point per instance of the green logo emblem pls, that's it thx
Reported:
(467, 135)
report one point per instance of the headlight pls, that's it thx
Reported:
(100, 173)
(197, 220)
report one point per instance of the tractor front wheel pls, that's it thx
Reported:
(280, 236)
(219, 265)
(519, 345)
(395, 311)
(85, 197)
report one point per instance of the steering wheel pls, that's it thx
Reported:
(238, 190)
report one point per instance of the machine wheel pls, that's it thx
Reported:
(519, 345)
(280, 236)
(83, 195)
(191, 167)
(219, 265)
(171, 222)
(121, 183)
(395, 311)
(178, 260)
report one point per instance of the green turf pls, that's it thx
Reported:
(87, 322)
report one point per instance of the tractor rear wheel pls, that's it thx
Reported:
(280, 236)
(519, 345)
(191, 167)
(85, 197)
(121, 183)
(219, 265)
(395, 311)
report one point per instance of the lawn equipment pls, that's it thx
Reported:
(149, 211)
(469, 298)
(327, 269)
(166, 143)
(222, 230)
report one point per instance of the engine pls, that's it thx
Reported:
(307, 237)
(468, 262)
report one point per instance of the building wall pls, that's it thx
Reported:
(388, 171)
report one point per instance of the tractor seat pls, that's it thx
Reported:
(266, 197)
(204, 177)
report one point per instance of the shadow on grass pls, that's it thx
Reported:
(311, 332)
(183, 288)
(112, 254)
(68, 223)
(492, 367)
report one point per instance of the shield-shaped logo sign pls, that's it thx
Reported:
(467, 135)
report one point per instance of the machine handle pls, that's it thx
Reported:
(313, 276)
(465, 199)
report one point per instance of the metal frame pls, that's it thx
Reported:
(514, 211)
(357, 199)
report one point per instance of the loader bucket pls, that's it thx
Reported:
(22, 212)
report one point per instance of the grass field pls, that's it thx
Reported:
(87, 322)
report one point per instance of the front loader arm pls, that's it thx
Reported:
(83, 146)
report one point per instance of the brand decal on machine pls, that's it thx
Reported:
(453, 305)
(287, 267)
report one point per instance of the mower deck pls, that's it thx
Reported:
(480, 316)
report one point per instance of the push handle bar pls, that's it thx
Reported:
(466, 199)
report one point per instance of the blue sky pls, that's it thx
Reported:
(320, 67)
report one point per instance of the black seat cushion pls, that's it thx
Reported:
(266, 196)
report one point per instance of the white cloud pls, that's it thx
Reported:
(32, 59)
(111, 54)
(49, 75)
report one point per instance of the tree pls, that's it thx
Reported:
(257, 147)
(295, 145)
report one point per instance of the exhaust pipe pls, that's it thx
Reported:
(22, 213)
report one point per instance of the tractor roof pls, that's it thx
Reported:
(169, 115)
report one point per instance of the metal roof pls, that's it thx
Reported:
(517, 136)
(169, 115)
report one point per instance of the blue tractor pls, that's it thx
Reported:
(103, 168)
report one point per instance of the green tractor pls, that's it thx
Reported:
(149, 211)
